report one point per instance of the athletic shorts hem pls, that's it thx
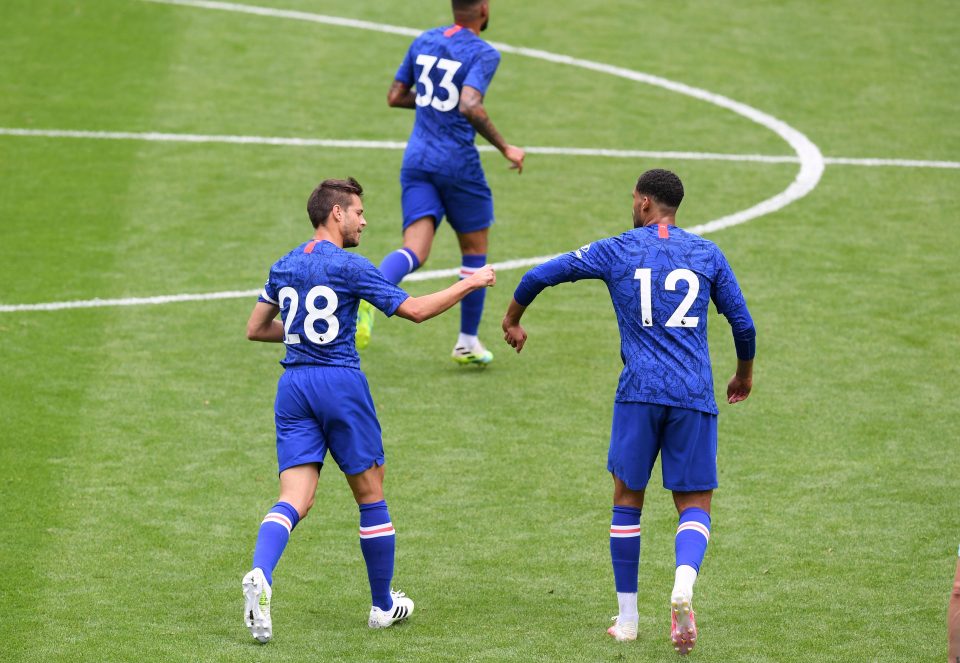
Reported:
(296, 462)
(621, 474)
(357, 469)
(691, 489)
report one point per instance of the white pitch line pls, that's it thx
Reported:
(152, 136)
(294, 141)
(811, 161)
(240, 294)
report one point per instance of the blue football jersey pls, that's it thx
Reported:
(318, 287)
(661, 280)
(440, 62)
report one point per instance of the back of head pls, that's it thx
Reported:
(661, 185)
(328, 194)
(466, 9)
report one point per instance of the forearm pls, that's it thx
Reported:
(745, 369)
(272, 332)
(476, 114)
(401, 95)
(514, 313)
(429, 306)
(263, 324)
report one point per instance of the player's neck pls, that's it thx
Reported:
(665, 219)
(472, 27)
(324, 235)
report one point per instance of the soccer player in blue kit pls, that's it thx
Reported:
(323, 401)
(661, 280)
(445, 76)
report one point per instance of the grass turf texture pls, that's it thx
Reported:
(138, 441)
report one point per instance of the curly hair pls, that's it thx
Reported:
(328, 194)
(661, 185)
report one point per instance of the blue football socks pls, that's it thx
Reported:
(378, 543)
(398, 264)
(625, 547)
(471, 308)
(273, 536)
(693, 533)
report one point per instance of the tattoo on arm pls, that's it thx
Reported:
(471, 105)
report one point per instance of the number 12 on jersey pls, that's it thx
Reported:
(679, 317)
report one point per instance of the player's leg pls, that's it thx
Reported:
(301, 449)
(633, 451)
(422, 211)
(473, 256)
(953, 620)
(689, 457)
(422, 208)
(356, 444)
(469, 206)
(378, 545)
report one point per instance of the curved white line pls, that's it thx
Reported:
(811, 161)
(294, 141)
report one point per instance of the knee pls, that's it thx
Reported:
(304, 509)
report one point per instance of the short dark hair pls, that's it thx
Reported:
(661, 185)
(464, 4)
(328, 194)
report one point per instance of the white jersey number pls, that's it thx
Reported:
(679, 317)
(449, 69)
(314, 314)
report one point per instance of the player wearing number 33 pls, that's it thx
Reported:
(323, 402)
(661, 280)
(444, 77)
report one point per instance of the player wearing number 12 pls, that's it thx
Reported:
(323, 401)
(661, 280)
(445, 76)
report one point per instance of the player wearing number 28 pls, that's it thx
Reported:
(661, 280)
(445, 76)
(323, 402)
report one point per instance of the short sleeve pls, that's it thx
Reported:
(369, 284)
(482, 70)
(269, 293)
(405, 72)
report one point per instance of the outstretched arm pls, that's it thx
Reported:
(263, 324)
(401, 95)
(471, 106)
(418, 309)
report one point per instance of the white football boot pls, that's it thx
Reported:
(402, 609)
(256, 605)
(623, 631)
(683, 625)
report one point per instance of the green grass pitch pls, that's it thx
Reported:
(137, 441)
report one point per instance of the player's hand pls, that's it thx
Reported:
(738, 389)
(514, 335)
(485, 277)
(515, 156)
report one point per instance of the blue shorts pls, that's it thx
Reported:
(327, 407)
(467, 203)
(685, 439)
